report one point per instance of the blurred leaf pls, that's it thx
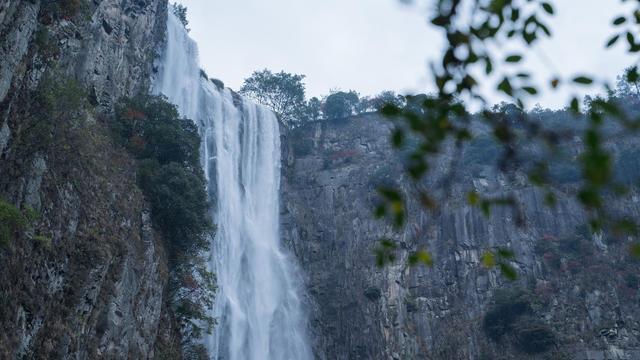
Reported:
(440, 21)
(625, 226)
(421, 256)
(548, 8)
(612, 41)
(619, 20)
(583, 80)
(508, 271)
(513, 58)
(590, 198)
(531, 90)
(635, 251)
(473, 198)
(550, 199)
(485, 206)
(385, 252)
(575, 105)
(505, 87)
(505, 253)
(488, 259)
(397, 137)
(632, 74)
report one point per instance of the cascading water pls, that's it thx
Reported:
(258, 304)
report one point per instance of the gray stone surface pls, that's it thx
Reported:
(359, 311)
(88, 279)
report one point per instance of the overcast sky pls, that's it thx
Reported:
(375, 45)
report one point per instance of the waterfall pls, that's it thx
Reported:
(258, 305)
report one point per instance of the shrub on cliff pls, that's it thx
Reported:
(169, 174)
(151, 128)
(341, 104)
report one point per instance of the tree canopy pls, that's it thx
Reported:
(281, 92)
(341, 104)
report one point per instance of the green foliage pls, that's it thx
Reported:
(53, 118)
(151, 128)
(500, 258)
(421, 257)
(171, 179)
(180, 11)
(47, 46)
(12, 223)
(442, 121)
(508, 305)
(341, 104)
(178, 203)
(312, 110)
(281, 92)
(385, 252)
(511, 317)
(43, 241)
(377, 102)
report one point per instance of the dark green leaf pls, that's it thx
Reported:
(619, 20)
(508, 271)
(612, 41)
(513, 58)
(548, 8)
(583, 80)
(505, 253)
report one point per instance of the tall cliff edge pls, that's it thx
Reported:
(86, 278)
(576, 298)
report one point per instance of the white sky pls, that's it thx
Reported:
(375, 45)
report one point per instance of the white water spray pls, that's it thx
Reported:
(258, 304)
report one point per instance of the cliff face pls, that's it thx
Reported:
(87, 278)
(576, 298)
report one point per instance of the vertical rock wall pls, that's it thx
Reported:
(577, 294)
(88, 278)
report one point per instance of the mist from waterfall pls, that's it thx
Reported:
(258, 305)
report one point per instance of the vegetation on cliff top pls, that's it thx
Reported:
(284, 94)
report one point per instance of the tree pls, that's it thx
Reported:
(312, 110)
(386, 98)
(436, 123)
(172, 181)
(341, 104)
(281, 92)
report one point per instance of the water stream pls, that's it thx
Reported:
(258, 305)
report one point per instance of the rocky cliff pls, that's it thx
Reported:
(577, 296)
(86, 277)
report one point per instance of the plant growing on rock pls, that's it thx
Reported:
(443, 122)
(170, 176)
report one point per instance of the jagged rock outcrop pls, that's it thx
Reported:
(577, 296)
(88, 278)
